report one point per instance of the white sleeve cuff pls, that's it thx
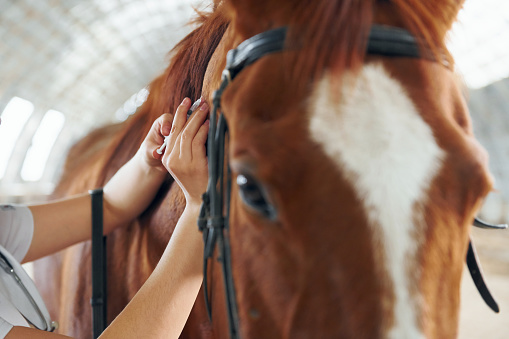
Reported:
(16, 229)
(5, 328)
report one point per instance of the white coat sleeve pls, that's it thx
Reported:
(16, 229)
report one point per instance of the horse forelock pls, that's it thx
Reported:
(331, 35)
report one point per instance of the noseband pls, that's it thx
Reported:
(214, 216)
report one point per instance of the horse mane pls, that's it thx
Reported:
(82, 159)
(182, 78)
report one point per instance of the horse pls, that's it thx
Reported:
(356, 177)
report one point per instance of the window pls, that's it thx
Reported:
(14, 118)
(42, 143)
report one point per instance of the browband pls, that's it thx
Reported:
(392, 42)
(382, 40)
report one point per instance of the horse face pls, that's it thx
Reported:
(351, 203)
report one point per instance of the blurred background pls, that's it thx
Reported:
(69, 66)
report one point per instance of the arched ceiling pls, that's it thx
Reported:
(86, 56)
(84, 59)
(89, 59)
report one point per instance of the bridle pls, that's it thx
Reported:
(214, 216)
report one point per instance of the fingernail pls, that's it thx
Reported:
(195, 105)
(166, 130)
(185, 101)
(204, 107)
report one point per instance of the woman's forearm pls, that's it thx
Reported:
(161, 307)
(65, 222)
(128, 193)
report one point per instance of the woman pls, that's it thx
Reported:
(162, 305)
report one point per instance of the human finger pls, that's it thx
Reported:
(192, 127)
(194, 107)
(162, 128)
(199, 142)
(171, 157)
(178, 124)
(165, 122)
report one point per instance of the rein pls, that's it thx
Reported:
(214, 216)
(99, 282)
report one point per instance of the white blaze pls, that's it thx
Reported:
(388, 153)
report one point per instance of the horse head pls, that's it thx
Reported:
(355, 176)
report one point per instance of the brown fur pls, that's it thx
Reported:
(313, 272)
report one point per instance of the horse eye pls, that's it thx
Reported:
(252, 194)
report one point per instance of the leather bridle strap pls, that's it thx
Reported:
(253, 49)
(476, 273)
(212, 222)
(392, 42)
(475, 269)
(99, 296)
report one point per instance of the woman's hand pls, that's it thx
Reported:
(154, 139)
(185, 156)
(123, 201)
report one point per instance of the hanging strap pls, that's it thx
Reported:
(98, 300)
